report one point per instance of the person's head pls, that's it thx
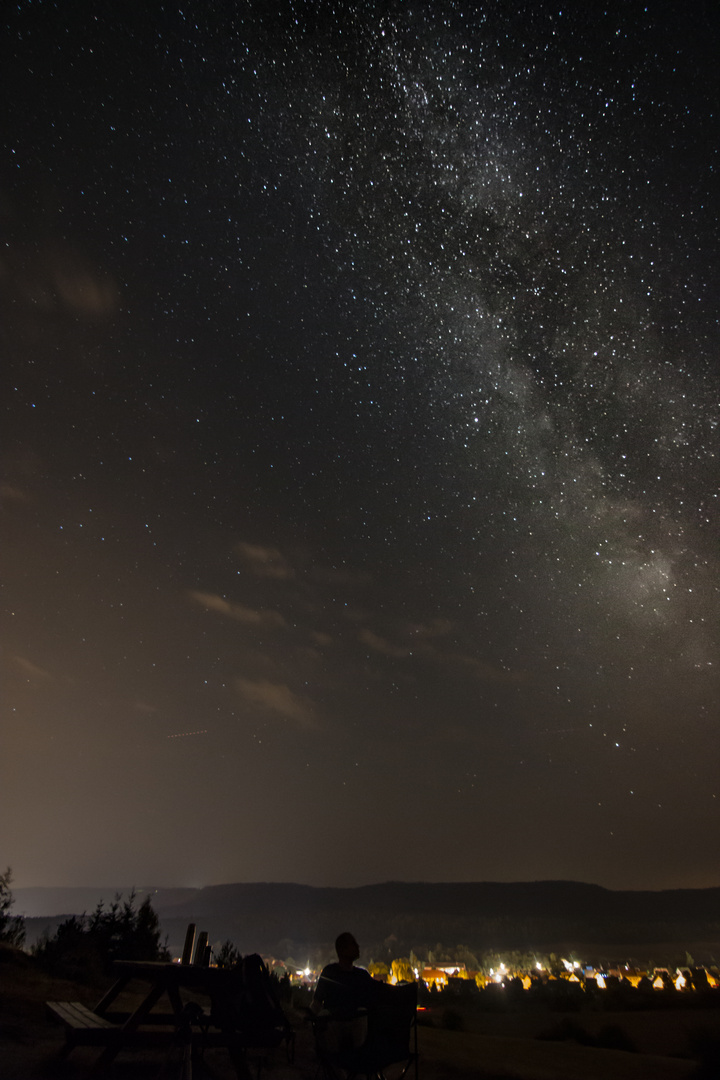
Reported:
(347, 948)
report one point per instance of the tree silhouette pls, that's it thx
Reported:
(12, 927)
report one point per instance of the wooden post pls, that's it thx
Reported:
(188, 946)
(200, 949)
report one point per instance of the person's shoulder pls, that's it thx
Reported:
(330, 970)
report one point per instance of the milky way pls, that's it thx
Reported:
(360, 402)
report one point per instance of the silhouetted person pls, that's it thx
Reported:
(343, 988)
(366, 1024)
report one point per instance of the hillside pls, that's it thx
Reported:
(282, 918)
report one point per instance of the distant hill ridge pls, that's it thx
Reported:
(284, 918)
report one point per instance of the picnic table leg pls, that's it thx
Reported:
(112, 1049)
(186, 1062)
(112, 993)
(66, 1047)
(175, 1001)
(101, 1065)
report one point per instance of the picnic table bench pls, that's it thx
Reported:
(112, 1032)
(82, 1025)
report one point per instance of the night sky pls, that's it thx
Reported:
(360, 399)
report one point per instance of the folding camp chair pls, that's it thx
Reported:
(372, 1040)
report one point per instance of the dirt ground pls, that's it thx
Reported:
(500, 1045)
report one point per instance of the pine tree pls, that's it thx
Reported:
(12, 927)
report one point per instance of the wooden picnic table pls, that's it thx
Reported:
(115, 1031)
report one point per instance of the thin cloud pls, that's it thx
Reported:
(266, 562)
(85, 292)
(30, 670)
(144, 708)
(232, 610)
(382, 645)
(277, 698)
(12, 494)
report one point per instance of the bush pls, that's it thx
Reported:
(228, 956)
(87, 945)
